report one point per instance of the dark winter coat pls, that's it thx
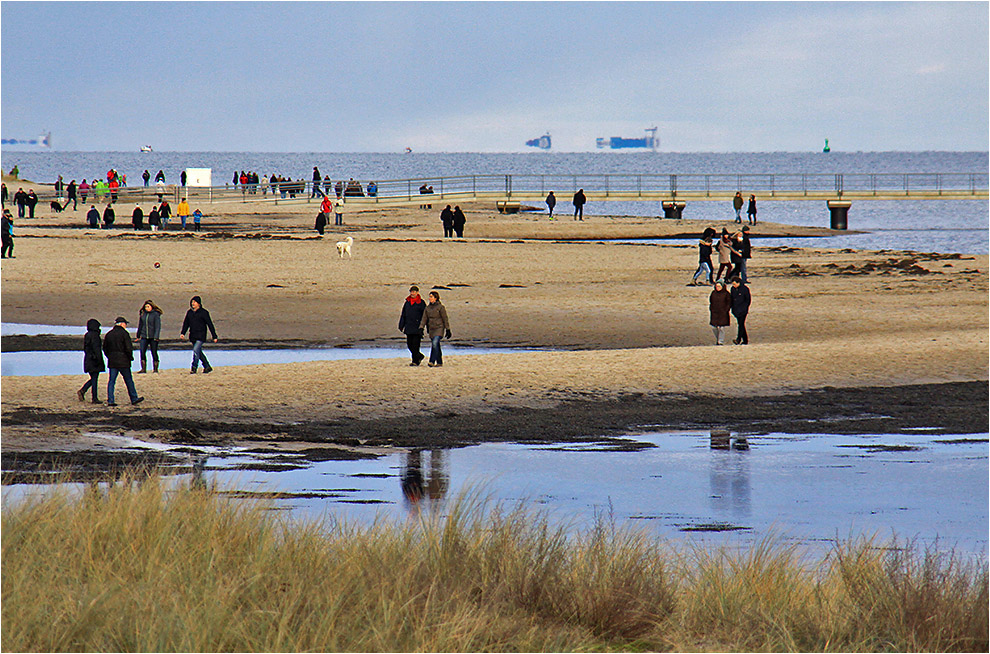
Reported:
(117, 346)
(745, 247)
(579, 199)
(321, 222)
(93, 217)
(149, 325)
(109, 216)
(705, 252)
(411, 318)
(459, 219)
(93, 348)
(31, 199)
(137, 218)
(435, 319)
(751, 209)
(447, 218)
(551, 201)
(719, 303)
(740, 300)
(196, 323)
(154, 218)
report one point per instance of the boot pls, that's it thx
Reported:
(155, 364)
(144, 367)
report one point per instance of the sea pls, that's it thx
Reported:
(945, 226)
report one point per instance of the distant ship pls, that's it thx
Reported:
(542, 143)
(146, 148)
(618, 143)
(45, 141)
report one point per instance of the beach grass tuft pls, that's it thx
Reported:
(146, 565)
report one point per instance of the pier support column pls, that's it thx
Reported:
(839, 213)
(672, 209)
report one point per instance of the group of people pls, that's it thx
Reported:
(417, 316)
(327, 207)
(158, 217)
(25, 201)
(734, 253)
(722, 302)
(118, 349)
(737, 204)
(579, 200)
(453, 222)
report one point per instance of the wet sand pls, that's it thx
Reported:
(633, 342)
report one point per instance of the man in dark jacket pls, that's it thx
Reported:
(196, 322)
(409, 324)
(31, 200)
(447, 218)
(117, 346)
(740, 309)
(108, 216)
(137, 218)
(459, 221)
(579, 201)
(746, 252)
(93, 217)
(92, 360)
(7, 232)
(71, 194)
(20, 199)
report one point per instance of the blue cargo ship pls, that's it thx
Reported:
(542, 143)
(618, 143)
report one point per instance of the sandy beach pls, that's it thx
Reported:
(628, 341)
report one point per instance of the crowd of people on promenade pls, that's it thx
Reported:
(115, 350)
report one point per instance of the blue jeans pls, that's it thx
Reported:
(436, 354)
(702, 267)
(199, 356)
(128, 380)
(741, 270)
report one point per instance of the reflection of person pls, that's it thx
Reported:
(751, 210)
(737, 203)
(120, 354)
(437, 326)
(196, 322)
(551, 203)
(92, 360)
(579, 202)
(412, 478)
(415, 487)
(740, 309)
(459, 221)
(148, 332)
(436, 485)
(719, 303)
(409, 324)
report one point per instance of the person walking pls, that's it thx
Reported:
(317, 180)
(7, 235)
(725, 252)
(196, 322)
(3, 195)
(551, 203)
(146, 176)
(719, 305)
(579, 202)
(410, 324)
(737, 203)
(437, 326)
(92, 360)
(447, 218)
(459, 221)
(71, 195)
(20, 199)
(137, 218)
(745, 252)
(120, 353)
(31, 200)
(751, 210)
(59, 188)
(704, 257)
(108, 216)
(148, 332)
(741, 300)
(182, 211)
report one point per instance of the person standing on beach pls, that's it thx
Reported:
(148, 332)
(93, 217)
(3, 195)
(20, 199)
(737, 203)
(160, 177)
(146, 176)
(59, 188)
(196, 322)
(317, 180)
(447, 218)
(579, 202)
(120, 355)
(165, 211)
(410, 324)
(137, 218)
(741, 300)
(719, 305)
(459, 221)
(437, 326)
(92, 360)
(7, 235)
(31, 200)
(197, 220)
(154, 219)
(182, 211)
(83, 191)
(751, 210)
(704, 257)
(551, 203)
(321, 222)
(108, 216)
(725, 253)
(745, 252)
(182, 178)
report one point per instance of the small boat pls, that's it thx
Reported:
(408, 150)
(146, 148)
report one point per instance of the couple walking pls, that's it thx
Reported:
(417, 315)
(721, 302)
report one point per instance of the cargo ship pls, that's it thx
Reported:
(650, 141)
(542, 143)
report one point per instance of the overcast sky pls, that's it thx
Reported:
(452, 76)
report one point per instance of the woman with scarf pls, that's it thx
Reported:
(148, 332)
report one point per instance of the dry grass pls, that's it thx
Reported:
(139, 567)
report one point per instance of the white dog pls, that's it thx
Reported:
(345, 247)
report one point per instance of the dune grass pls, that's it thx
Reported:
(149, 567)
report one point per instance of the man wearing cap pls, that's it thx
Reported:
(409, 324)
(119, 350)
(196, 322)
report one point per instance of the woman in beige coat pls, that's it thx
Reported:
(437, 326)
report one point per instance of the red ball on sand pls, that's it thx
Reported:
(158, 265)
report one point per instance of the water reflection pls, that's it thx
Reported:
(728, 481)
(433, 489)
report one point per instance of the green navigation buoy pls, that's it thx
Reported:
(826, 148)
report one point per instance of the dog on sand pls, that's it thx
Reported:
(56, 207)
(345, 247)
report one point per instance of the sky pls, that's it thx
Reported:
(487, 76)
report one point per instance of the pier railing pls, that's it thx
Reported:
(610, 187)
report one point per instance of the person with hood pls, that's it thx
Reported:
(160, 177)
(719, 304)
(148, 332)
(741, 300)
(579, 202)
(410, 324)
(137, 218)
(120, 353)
(108, 216)
(93, 217)
(196, 322)
(737, 203)
(7, 234)
(551, 203)
(182, 211)
(146, 176)
(437, 326)
(92, 360)
(447, 218)
(459, 221)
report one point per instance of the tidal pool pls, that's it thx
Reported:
(808, 489)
